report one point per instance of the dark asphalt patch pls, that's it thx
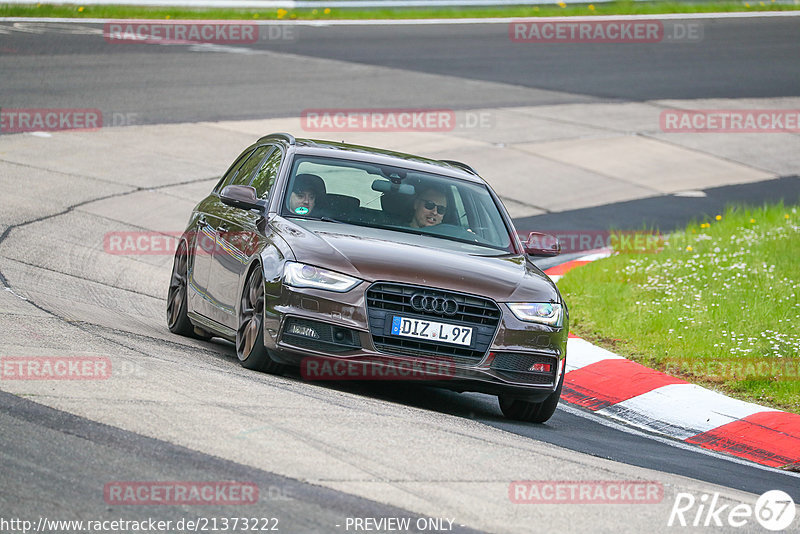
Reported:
(666, 213)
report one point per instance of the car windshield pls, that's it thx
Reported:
(394, 198)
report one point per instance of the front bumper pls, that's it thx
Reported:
(329, 336)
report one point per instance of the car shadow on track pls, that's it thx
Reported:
(473, 406)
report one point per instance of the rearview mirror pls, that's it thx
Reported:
(539, 244)
(240, 196)
(385, 186)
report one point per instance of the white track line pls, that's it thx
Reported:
(418, 22)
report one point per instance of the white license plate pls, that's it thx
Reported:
(431, 330)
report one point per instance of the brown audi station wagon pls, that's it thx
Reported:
(360, 263)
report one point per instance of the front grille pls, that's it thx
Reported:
(385, 300)
(514, 366)
(330, 338)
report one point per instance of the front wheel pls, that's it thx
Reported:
(250, 334)
(531, 412)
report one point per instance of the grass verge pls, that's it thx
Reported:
(620, 7)
(718, 305)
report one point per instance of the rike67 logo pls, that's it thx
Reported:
(774, 510)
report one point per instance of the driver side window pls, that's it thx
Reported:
(246, 171)
(228, 178)
(268, 173)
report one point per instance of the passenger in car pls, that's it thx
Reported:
(307, 190)
(429, 208)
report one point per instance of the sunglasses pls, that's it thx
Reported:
(429, 205)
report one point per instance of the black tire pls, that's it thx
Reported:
(250, 333)
(531, 412)
(177, 320)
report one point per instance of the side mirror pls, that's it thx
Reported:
(240, 196)
(539, 244)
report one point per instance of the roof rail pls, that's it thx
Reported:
(287, 137)
(460, 165)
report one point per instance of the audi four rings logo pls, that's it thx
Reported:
(440, 305)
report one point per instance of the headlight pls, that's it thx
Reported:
(538, 312)
(302, 275)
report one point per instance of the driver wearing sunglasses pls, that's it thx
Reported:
(429, 208)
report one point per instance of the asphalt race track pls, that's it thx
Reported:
(177, 409)
(456, 66)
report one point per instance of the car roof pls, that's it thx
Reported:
(317, 147)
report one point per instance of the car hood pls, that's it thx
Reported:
(375, 254)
